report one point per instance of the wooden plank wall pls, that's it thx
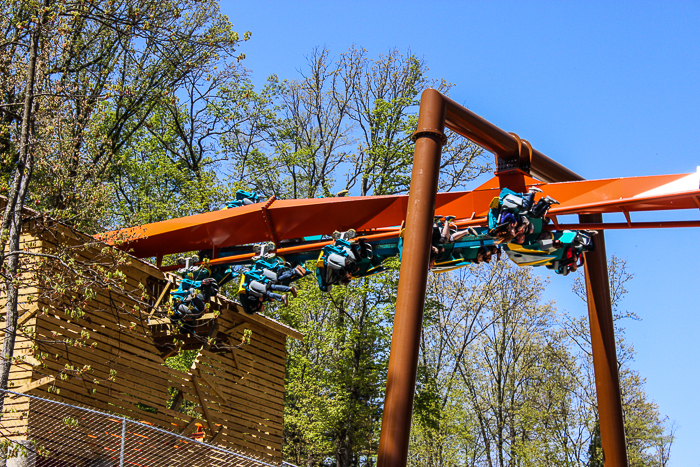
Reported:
(237, 392)
(241, 387)
(15, 409)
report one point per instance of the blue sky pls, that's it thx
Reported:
(608, 89)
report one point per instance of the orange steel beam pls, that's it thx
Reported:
(607, 379)
(389, 233)
(509, 148)
(302, 218)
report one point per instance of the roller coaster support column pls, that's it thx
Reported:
(607, 379)
(512, 152)
(408, 321)
(508, 150)
(436, 112)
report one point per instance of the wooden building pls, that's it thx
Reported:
(111, 357)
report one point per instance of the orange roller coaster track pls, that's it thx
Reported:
(380, 216)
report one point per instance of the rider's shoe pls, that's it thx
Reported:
(551, 200)
(534, 189)
(294, 291)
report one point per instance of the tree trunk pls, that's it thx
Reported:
(15, 205)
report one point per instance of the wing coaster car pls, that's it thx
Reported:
(345, 260)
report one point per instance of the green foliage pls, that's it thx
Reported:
(70, 422)
(336, 375)
(146, 408)
(182, 361)
(595, 448)
(150, 187)
(107, 72)
(649, 438)
(507, 380)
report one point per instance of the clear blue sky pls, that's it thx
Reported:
(609, 89)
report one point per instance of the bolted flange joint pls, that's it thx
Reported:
(434, 134)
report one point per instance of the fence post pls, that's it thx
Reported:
(121, 451)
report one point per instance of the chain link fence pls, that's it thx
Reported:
(45, 433)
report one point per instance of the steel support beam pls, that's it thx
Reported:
(436, 112)
(612, 428)
(607, 380)
(413, 276)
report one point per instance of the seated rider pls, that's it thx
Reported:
(190, 271)
(346, 252)
(446, 232)
(256, 289)
(570, 261)
(524, 203)
(485, 253)
(264, 250)
(570, 254)
(279, 272)
(243, 198)
(514, 213)
(443, 234)
(345, 259)
(188, 304)
(287, 275)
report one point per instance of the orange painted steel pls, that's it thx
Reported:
(410, 296)
(604, 352)
(305, 248)
(290, 219)
(393, 445)
(625, 225)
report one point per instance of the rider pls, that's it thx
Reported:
(512, 222)
(189, 304)
(345, 260)
(243, 198)
(279, 272)
(523, 203)
(256, 289)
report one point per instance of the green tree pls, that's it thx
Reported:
(345, 123)
(79, 81)
(648, 436)
(337, 373)
(445, 429)
(385, 93)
